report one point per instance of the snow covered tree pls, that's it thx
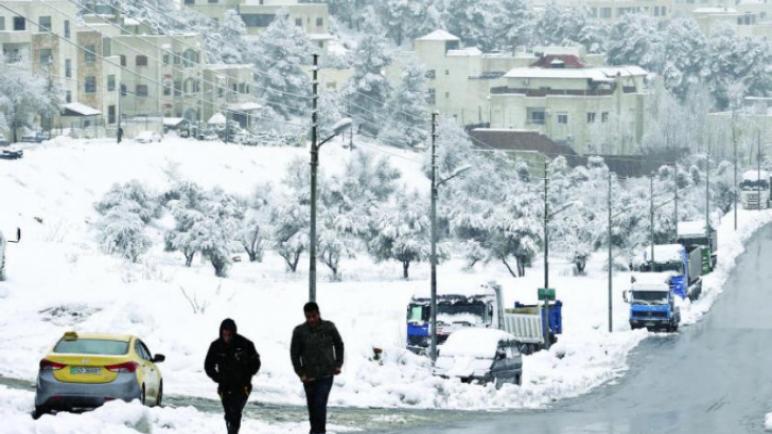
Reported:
(400, 231)
(121, 232)
(407, 110)
(232, 30)
(25, 97)
(278, 55)
(513, 24)
(561, 25)
(685, 56)
(254, 227)
(473, 21)
(290, 230)
(636, 40)
(132, 195)
(186, 203)
(2, 257)
(368, 89)
(214, 232)
(406, 20)
(335, 241)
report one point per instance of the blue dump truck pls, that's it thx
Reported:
(693, 235)
(652, 305)
(680, 268)
(480, 306)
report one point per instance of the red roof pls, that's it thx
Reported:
(565, 60)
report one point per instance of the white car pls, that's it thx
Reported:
(481, 356)
(147, 137)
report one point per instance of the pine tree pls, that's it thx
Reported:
(406, 20)
(472, 21)
(636, 40)
(514, 24)
(407, 110)
(278, 56)
(368, 89)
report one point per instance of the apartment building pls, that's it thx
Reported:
(227, 90)
(26, 39)
(592, 109)
(99, 77)
(313, 18)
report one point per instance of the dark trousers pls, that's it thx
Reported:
(317, 393)
(233, 401)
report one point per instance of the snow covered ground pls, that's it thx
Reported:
(58, 280)
(768, 422)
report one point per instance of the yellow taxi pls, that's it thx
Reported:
(85, 370)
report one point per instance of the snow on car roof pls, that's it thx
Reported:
(693, 229)
(753, 175)
(474, 342)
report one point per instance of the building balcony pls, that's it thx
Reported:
(504, 90)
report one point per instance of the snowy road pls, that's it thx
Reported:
(714, 377)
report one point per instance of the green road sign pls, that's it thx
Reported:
(546, 294)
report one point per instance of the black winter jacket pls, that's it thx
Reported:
(232, 365)
(316, 351)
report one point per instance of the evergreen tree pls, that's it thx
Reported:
(473, 21)
(368, 89)
(278, 55)
(406, 20)
(407, 110)
(514, 24)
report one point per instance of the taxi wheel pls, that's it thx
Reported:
(159, 398)
(142, 395)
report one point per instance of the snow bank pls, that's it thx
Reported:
(474, 342)
(768, 422)
(118, 417)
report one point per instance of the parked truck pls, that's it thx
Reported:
(692, 235)
(478, 307)
(754, 189)
(679, 268)
(652, 305)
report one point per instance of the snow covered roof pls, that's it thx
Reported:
(244, 106)
(173, 122)
(595, 74)
(474, 342)
(693, 229)
(753, 175)
(226, 66)
(664, 252)
(716, 11)
(81, 109)
(131, 22)
(471, 51)
(320, 36)
(217, 119)
(438, 35)
(658, 283)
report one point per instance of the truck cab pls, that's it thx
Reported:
(682, 269)
(754, 189)
(652, 306)
(694, 235)
(456, 309)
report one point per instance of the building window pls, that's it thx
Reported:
(257, 20)
(432, 98)
(124, 90)
(111, 83)
(68, 97)
(220, 92)
(563, 118)
(213, 2)
(535, 115)
(67, 29)
(447, 95)
(90, 84)
(190, 2)
(590, 117)
(299, 22)
(604, 117)
(166, 59)
(605, 12)
(123, 60)
(177, 88)
(67, 68)
(168, 88)
(44, 24)
(319, 22)
(19, 24)
(46, 56)
(90, 54)
(2, 23)
(431, 74)
(141, 90)
(140, 60)
(111, 114)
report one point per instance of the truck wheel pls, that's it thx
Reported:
(519, 379)
(38, 412)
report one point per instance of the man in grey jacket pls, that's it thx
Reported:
(317, 356)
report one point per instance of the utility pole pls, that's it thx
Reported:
(314, 167)
(227, 126)
(707, 196)
(758, 165)
(610, 299)
(118, 134)
(433, 307)
(351, 130)
(546, 319)
(734, 144)
(675, 199)
(651, 217)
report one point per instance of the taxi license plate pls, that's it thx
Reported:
(82, 370)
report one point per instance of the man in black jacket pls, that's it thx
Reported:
(317, 355)
(231, 362)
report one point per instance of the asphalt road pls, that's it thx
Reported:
(713, 377)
